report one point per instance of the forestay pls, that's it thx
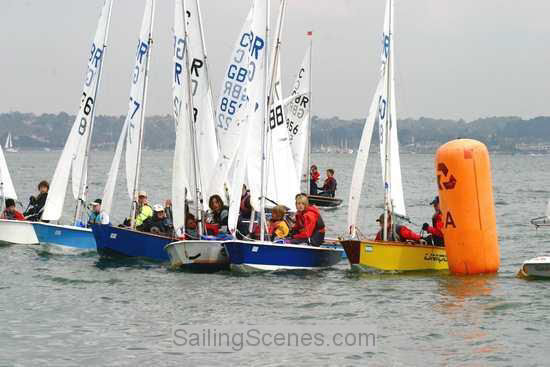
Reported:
(7, 190)
(76, 148)
(297, 114)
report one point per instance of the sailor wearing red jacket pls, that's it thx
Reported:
(314, 178)
(435, 230)
(403, 233)
(309, 225)
(11, 211)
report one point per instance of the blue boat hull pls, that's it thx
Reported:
(64, 237)
(272, 256)
(117, 241)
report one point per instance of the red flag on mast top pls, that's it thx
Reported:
(310, 33)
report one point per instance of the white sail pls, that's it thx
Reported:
(388, 120)
(183, 170)
(7, 190)
(203, 114)
(109, 190)
(238, 179)
(257, 90)
(136, 109)
(297, 114)
(280, 188)
(361, 160)
(233, 96)
(9, 144)
(75, 150)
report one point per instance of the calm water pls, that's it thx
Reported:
(68, 310)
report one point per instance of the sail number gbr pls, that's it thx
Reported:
(87, 105)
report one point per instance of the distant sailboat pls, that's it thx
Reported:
(8, 147)
(385, 254)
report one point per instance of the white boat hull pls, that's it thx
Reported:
(198, 255)
(538, 267)
(17, 232)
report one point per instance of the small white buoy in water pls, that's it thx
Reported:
(538, 267)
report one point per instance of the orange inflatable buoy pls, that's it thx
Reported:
(463, 171)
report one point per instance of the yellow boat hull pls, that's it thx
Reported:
(395, 256)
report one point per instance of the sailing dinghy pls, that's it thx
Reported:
(386, 255)
(262, 124)
(12, 231)
(195, 130)
(9, 145)
(74, 160)
(298, 121)
(121, 241)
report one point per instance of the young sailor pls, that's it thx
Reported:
(402, 233)
(191, 232)
(97, 216)
(309, 226)
(11, 211)
(158, 223)
(278, 227)
(313, 179)
(435, 230)
(143, 211)
(329, 187)
(218, 213)
(36, 204)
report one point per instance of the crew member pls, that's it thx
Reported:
(143, 211)
(329, 186)
(11, 211)
(314, 177)
(158, 223)
(309, 226)
(36, 203)
(278, 227)
(401, 234)
(435, 230)
(97, 216)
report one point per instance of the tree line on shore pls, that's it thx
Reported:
(30, 131)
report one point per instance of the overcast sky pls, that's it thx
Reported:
(454, 58)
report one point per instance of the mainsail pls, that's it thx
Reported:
(75, 152)
(138, 95)
(280, 188)
(7, 190)
(132, 130)
(298, 116)
(383, 108)
(233, 97)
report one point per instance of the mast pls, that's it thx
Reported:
(83, 190)
(141, 119)
(308, 170)
(266, 101)
(193, 130)
(387, 173)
